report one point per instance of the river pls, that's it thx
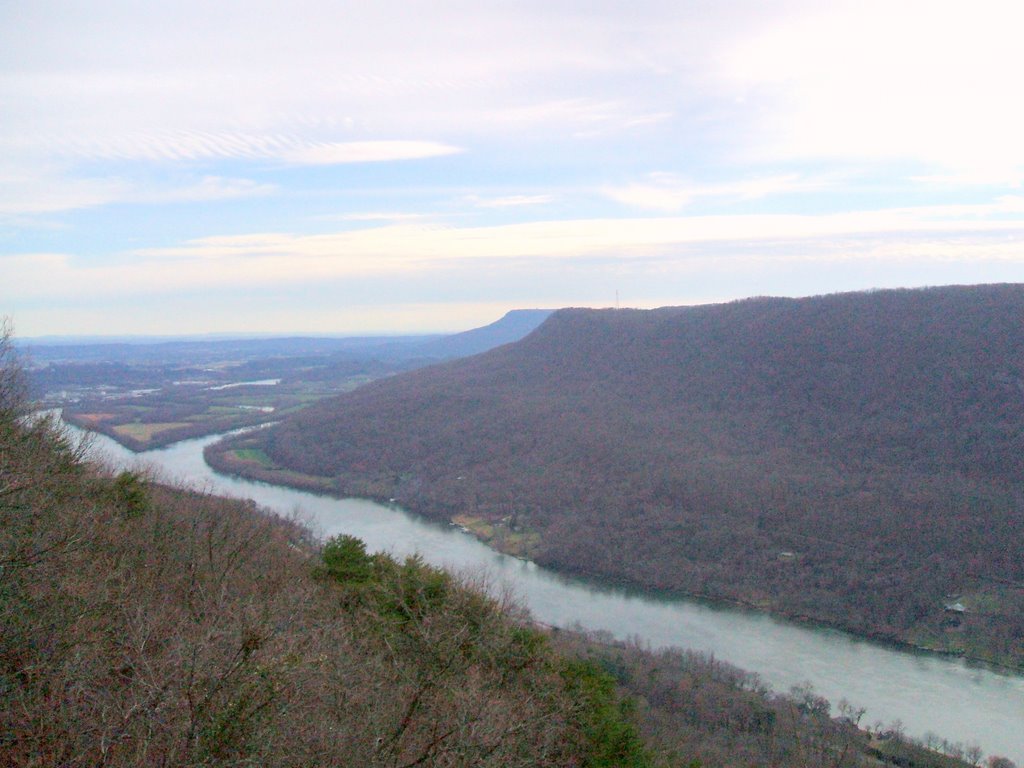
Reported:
(957, 700)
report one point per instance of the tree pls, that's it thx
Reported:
(346, 561)
(12, 383)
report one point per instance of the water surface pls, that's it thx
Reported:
(927, 693)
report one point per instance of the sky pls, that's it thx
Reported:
(404, 167)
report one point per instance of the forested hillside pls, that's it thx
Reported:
(856, 459)
(143, 625)
(147, 625)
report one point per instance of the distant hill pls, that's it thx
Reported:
(512, 327)
(856, 459)
(148, 350)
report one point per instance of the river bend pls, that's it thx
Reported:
(957, 700)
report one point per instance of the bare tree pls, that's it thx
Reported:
(12, 383)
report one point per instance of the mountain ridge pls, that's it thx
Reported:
(853, 459)
(510, 327)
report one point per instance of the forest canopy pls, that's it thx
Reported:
(856, 459)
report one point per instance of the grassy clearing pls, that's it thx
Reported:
(500, 536)
(146, 432)
(95, 418)
(252, 456)
(221, 410)
(521, 544)
(987, 598)
(478, 526)
(312, 397)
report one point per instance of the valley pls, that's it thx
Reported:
(852, 460)
(966, 620)
(150, 393)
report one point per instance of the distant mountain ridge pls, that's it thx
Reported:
(853, 458)
(145, 394)
(511, 327)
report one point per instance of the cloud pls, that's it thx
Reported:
(47, 190)
(401, 247)
(785, 79)
(55, 192)
(49, 187)
(993, 231)
(372, 216)
(189, 145)
(974, 177)
(367, 152)
(582, 117)
(198, 81)
(668, 192)
(211, 188)
(540, 104)
(876, 80)
(508, 201)
(659, 194)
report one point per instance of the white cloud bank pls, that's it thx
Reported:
(319, 81)
(669, 192)
(50, 192)
(931, 80)
(990, 232)
(332, 153)
(313, 111)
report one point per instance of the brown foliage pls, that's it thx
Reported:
(147, 625)
(182, 629)
(876, 437)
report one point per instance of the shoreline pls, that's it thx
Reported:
(916, 661)
(159, 440)
(219, 461)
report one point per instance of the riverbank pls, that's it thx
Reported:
(929, 693)
(139, 436)
(245, 459)
(217, 589)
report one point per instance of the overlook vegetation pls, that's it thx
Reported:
(854, 459)
(142, 624)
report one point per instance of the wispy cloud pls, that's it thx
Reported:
(875, 80)
(669, 192)
(1003, 176)
(48, 191)
(994, 231)
(578, 116)
(211, 188)
(163, 146)
(508, 201)
(385, 117)
(373, 216)
(367, 152)
(55, 192)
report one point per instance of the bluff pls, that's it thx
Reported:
(855, 459)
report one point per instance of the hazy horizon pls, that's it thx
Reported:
(349, 169)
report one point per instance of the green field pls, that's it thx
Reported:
(144, 432)
(252, 455)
